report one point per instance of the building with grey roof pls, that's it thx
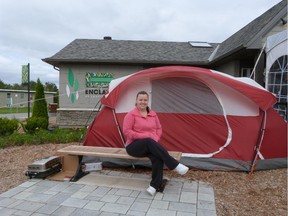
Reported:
(146, 53)
(86, 65)
(243, 47)
(10, 98)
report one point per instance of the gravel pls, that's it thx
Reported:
(236, 193)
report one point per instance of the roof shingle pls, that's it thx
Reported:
(126, 51)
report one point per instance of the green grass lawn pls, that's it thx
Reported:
(14, 110)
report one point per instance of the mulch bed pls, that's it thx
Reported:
(236, 193)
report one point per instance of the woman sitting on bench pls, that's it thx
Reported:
(143, 130)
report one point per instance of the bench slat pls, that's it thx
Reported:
(108, 152)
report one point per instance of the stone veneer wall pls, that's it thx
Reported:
(74, 119)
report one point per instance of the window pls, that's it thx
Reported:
(199, 44)
(8, 95)
(22, 95)
(246, 72)
(277, 84)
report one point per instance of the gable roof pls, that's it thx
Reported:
(252, 34)
(127, 51)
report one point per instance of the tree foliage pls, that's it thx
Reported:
(2, 84)
(51, 87)
(48, 86)
(40, 108)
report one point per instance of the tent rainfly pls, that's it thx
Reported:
(219, 122)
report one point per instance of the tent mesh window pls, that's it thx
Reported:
(183, 95)
(277, 83)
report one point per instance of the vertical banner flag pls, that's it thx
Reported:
(24, 74)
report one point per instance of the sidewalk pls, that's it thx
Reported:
(15, 115)
(108, 193)
(21, 115)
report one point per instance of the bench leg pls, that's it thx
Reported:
(79, 173)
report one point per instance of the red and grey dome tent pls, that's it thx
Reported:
(217, 121)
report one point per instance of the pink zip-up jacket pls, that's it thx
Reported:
(135, 126)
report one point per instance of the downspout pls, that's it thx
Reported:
(56, 68)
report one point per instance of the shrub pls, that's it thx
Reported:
(40, 108)
(36, 123)
(42, 136)
(7, 126)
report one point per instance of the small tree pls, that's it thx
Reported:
(40, 108)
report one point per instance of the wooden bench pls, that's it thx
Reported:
(72, 158)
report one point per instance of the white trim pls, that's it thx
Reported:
(229, 135)
(229, 130)
(211, 57)
(245, 80)
(78, 109)
(24, 91)
(260, 155)
(197, 155)
(262, 136)
(115, 82)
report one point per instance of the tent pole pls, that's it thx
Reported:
(121, 135)
(259, 142)
(118, 127)
(92, 112)
(86, 124)
(253, 71)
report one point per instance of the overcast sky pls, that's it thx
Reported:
(31, 30)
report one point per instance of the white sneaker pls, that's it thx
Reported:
(151, 190)
(181, 169)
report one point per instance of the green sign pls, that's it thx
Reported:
(98, 80)
(25, 71)
(72, 86)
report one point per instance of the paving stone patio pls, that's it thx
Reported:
(90, 196)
